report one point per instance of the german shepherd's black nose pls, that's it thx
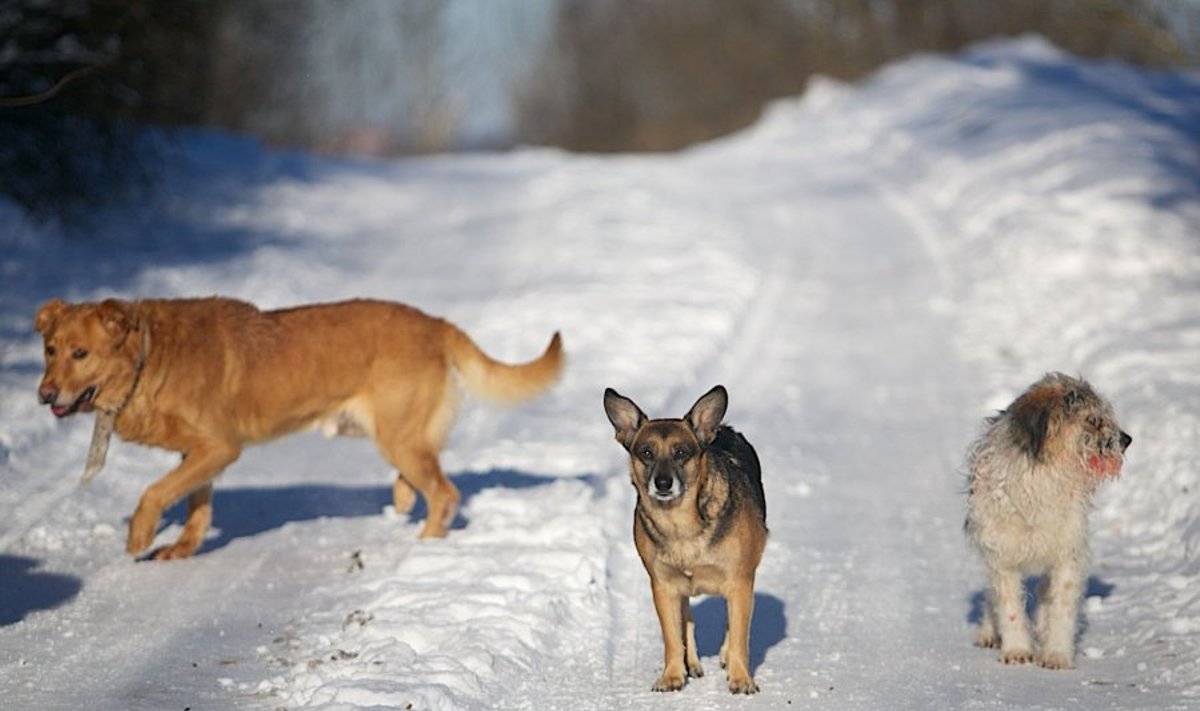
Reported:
(663, 481)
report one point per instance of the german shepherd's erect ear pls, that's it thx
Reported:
(706, 415)
(626, 417)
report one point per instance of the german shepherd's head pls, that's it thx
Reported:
(91, 358)
(666, 454)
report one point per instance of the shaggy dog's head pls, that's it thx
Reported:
(1061, 420)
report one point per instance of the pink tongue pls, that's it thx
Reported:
(58, 410)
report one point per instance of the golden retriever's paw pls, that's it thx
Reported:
(180, 549)
(987, 639)
(1018, 655)
(142, 528)
(742, 684)
(670, 681)
(1055, 660)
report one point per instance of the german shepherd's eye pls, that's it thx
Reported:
(646, 454)
(682, 452)
(79, 353)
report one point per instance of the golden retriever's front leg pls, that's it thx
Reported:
(197, 470)
(198, 520)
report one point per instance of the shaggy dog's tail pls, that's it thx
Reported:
(492, 380)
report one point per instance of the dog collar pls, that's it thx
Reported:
(139, 364)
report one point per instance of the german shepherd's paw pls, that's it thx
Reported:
(670, 681)
(694, 670)
(742, 685)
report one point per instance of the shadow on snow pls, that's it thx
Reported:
(1095, 587)
(249, 511)
(768, 626)
(27, 589)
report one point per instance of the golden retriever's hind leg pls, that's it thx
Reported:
(199, 518)
(421, 469)
(404, 496)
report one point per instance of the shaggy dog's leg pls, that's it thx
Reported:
(986, 636)
(1058, 610)
(1016, 646)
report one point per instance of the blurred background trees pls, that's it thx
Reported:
(78, 78)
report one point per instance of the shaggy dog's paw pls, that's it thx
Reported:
(987, 639)
(1016, 656)
(1055, 660)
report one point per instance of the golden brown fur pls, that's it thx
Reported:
(205, 377)
(699, 527)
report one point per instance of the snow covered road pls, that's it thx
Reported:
(868, 270)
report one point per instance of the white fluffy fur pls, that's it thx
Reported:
(1027, 511)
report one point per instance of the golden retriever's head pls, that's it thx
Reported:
(665, 454)
(91, 359)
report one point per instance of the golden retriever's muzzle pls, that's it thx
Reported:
(48, 394)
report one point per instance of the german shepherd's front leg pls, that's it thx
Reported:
(197, 470)
(692, 656)
(669, 605)
(740, 603)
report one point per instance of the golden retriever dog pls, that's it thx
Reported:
(206, 377)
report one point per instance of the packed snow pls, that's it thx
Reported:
(870, 270)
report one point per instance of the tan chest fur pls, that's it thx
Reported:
(684, 556)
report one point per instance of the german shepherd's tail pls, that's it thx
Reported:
(500, 382)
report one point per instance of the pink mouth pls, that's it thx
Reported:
(1104, 467)
(82, 404)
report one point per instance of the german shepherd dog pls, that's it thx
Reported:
(700, 526)
(205, 377)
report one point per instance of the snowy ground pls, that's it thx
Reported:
(869, 270)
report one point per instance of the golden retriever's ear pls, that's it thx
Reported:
(48, 314)
(116, 316)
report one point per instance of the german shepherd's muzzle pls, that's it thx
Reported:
(699, 526)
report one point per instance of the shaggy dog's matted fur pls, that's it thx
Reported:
(205, 377)
(1032, 476)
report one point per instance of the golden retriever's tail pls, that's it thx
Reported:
(500, 382)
